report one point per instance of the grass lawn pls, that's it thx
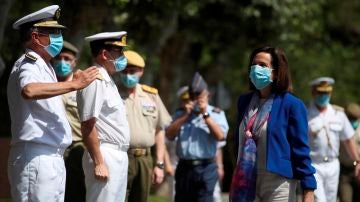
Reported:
(154, 198)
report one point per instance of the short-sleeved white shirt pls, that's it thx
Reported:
(334, 123)
(40, 121)
(102, 101)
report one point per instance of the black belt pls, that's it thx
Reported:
(196, 162)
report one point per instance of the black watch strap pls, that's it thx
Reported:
(206, 115)
(160, 165)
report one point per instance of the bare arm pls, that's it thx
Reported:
(308, 196)
(351, 149)
(215, 129)
(169, 169)
(160, 156)
(80, 80)
(219, 163)
(173, 129)
(90, 138)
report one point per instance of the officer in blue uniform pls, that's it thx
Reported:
(198, 128)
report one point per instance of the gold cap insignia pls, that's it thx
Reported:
(123, 39)
(57, 14)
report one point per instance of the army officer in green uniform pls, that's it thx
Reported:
(147, 118)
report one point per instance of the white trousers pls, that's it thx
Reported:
(327, 178)
(114, 189)
(36, 173)
(271, 187)
(217, 192)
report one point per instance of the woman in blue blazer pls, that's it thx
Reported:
(271, 139)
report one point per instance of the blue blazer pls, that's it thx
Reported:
(287, 152)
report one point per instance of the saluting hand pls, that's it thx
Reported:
(83, 78)
(202, 102)
(101, 172)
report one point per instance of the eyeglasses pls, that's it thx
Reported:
(116, 50)
(44, 31)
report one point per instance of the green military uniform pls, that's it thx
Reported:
(75, 187)
(72, 115)
(347, 184)
(146, 113)
(75, 184)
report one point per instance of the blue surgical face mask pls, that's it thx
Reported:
(62, 68)
(55, 46)
(129, 80)
(322, 100)
(355, 123)
(120, 63)
(260, 76)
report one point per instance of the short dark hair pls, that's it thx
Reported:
(25, 32)
(97, 45)
(282, 78)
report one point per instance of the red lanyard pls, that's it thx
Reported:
(249, 130)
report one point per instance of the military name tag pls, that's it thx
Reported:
(148, 107)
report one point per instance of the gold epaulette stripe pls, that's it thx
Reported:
(100, 77)
(30, 57)
(149, 89)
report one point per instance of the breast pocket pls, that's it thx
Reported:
(112, 105)
(335, 126)
(150, 111)
(315, 126)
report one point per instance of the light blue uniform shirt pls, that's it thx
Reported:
(194, 139)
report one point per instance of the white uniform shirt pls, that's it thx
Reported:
(40, 121)
(332, 122)
(102, 100)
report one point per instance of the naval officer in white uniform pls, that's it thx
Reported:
(328, 127)
(40, 130)
(104, 127)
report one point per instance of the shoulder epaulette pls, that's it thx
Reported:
(337, 107)
(100, 77)
(30, 57)
(149, 89)
(216, 110)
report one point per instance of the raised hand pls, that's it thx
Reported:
(83, 78)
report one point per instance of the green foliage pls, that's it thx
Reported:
(214, 37)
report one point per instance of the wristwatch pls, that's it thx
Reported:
(205, 115)
(160, 165)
